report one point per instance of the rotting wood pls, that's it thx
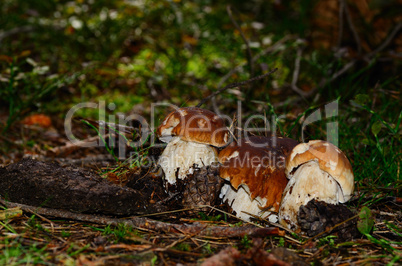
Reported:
(81, 190)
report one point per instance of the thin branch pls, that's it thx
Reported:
(232, 126)
(338, 73)
(274, 47)
(17, 30)
(71, 146)
(220, 83)
(249, 55)
(215, 106)
(148, 224)
(295, 76)
(235, 85)
(388, 40)
(352, 28)
(117, 128)
(340, 30)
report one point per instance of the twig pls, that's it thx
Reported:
(116, 128)
(71, 146)
(340, 30)
(220, 83)
(232, 126)
(267, 221)
(26, 28)
(295, 76)
(106, 125)
(43, 219)
(235, 85)
(387, 40)
(352, 27)
(338, 73)
(249, 55)
(201, 207)
(180, 241)
(273, 47)
(148, 224)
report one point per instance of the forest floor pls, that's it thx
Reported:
(36, 235)
(67, 64)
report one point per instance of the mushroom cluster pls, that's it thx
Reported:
(270, 177)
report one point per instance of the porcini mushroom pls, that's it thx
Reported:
(192, 134)
(317, 170)
(254, 167)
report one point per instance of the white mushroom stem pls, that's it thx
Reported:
(307, 183)
(241, 202)
(180, 156)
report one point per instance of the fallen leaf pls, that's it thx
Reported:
(38, 119)
(366, 221)
(189, 39)
(6, 58)
(10, 213)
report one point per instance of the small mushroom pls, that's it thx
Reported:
(191, 133)
(317, 170)
(254, 167)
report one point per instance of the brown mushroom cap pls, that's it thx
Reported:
(329, 158)
(259, 163)
(195, 125)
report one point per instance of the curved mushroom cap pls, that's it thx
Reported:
(257, 164)
(195, 125)
(330, 160)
